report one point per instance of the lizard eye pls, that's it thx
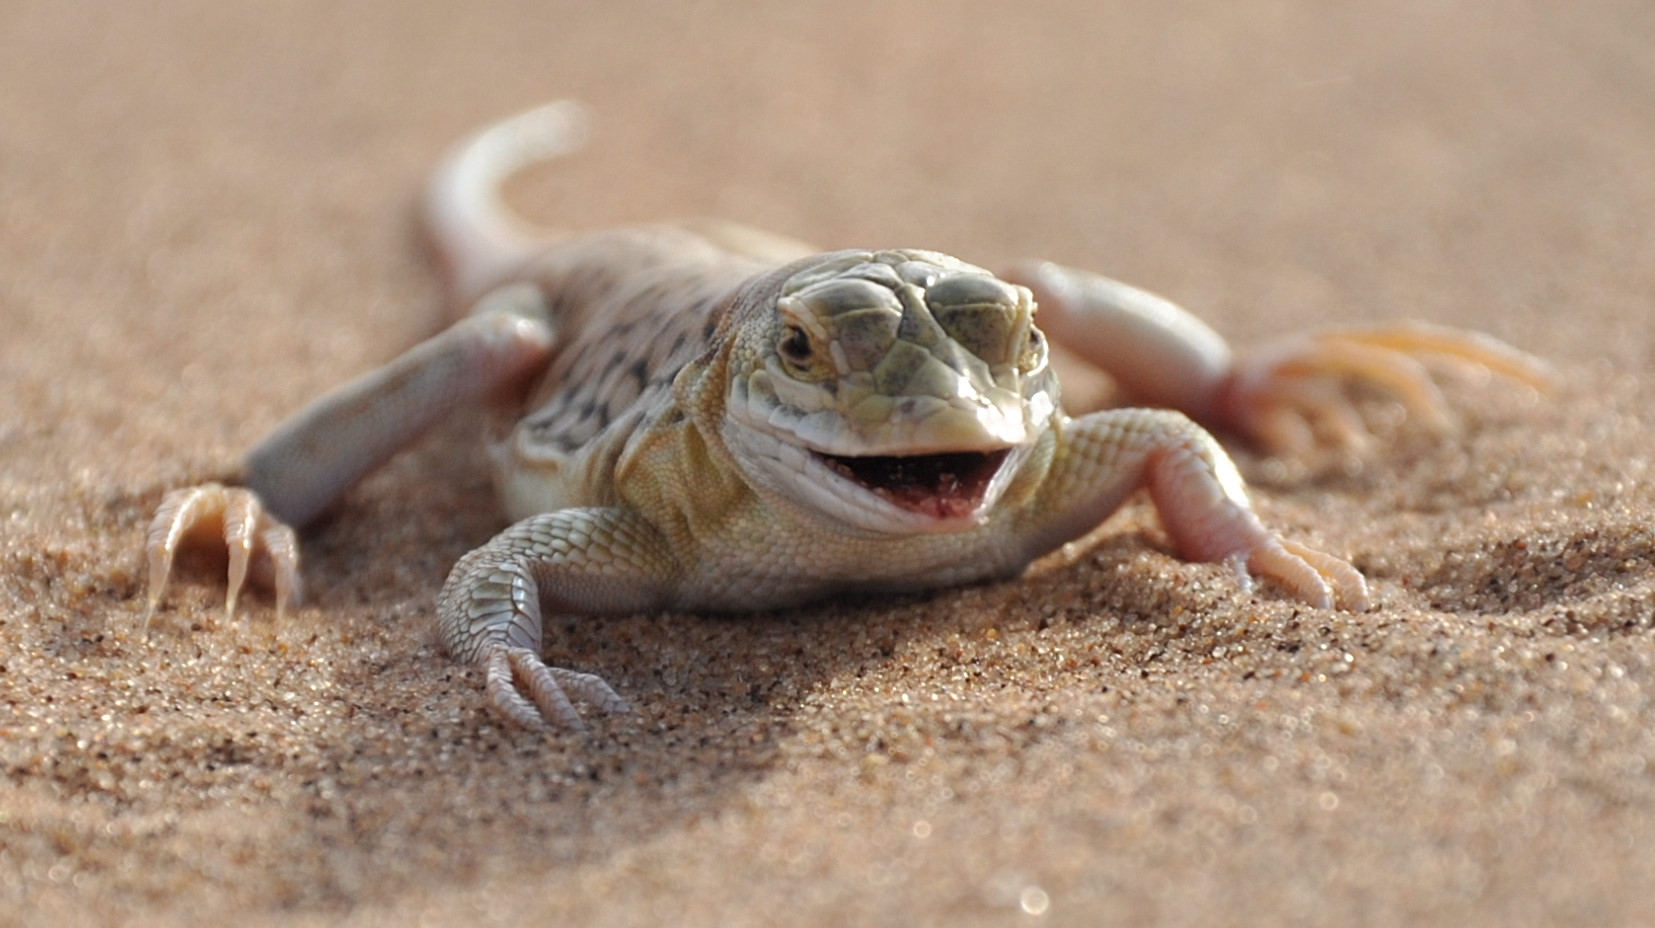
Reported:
(1034, 350)
(796, 346)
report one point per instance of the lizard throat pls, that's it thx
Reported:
(943, 486)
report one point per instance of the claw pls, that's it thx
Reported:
(179, 511)
(240, 520)
(281, 543)
(246, 529)
(1291, 410)
(1459, 345)
(1283, 431)
(1289, 396)
(1317, 577)
(1293, 572)
(548, 690)
(1349, 586)
(1388, 370)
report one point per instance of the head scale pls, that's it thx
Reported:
(910, 357)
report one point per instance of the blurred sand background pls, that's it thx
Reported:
(205, 221)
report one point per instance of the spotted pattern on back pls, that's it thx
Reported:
(620, 377)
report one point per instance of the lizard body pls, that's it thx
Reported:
(706, 417)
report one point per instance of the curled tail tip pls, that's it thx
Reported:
(499, 149)
(473, 231)
(545, 131)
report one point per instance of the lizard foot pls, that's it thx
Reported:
(238, 516)
(512, 672)
(1290, 396)
(1316, 577)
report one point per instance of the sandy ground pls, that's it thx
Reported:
(205, 221)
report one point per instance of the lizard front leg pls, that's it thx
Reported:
(1287, 395)
(568, 561)
(310, 460)
(1102, 458)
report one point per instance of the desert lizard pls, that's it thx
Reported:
(705, 417)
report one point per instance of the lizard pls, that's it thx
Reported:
(701, 416)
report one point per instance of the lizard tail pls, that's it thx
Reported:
(476, 236)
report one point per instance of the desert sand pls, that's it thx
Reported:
(205, 221)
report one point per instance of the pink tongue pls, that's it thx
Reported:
(942, 486)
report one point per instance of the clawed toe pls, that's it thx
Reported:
(1462, 346)
(1316, 577)
(1394, 373)
(1291, 397)
(1292, 415)
(513, 672)
(592, 689)
(1348, 585)
(238, 518)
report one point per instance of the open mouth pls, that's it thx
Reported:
(942, 486)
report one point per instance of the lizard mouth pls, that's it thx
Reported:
(942, 486)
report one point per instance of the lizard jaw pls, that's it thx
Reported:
(936, 492)
(949, 487)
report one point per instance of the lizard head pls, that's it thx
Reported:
(898, 391)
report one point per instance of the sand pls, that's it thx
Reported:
(205, 221)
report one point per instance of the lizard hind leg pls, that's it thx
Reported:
(238, 516)
(1288, 395)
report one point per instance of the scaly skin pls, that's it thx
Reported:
(705, 417)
